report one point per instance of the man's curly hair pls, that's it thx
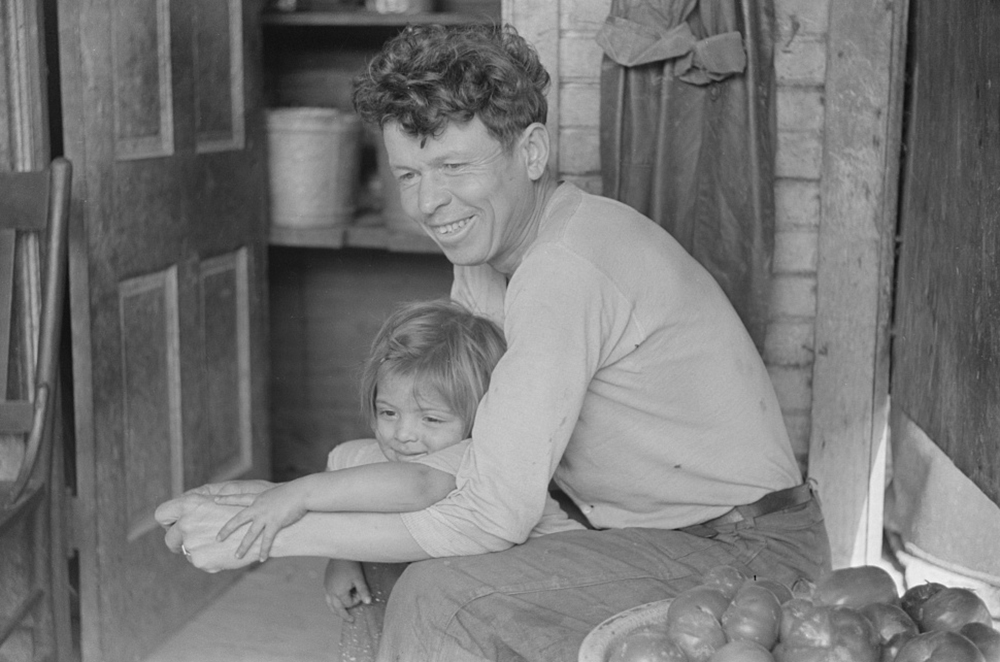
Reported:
(430, 75)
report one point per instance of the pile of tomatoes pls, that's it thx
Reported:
(849, 615)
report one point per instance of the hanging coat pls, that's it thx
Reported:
(688, 129)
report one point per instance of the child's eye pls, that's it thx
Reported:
(433, 420)
(385, 413)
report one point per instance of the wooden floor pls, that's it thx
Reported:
(275, 614)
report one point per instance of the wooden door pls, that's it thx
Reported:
(946, 348)
(162, 116)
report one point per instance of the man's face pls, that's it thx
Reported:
(466, 191)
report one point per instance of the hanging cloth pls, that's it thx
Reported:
(687, 133)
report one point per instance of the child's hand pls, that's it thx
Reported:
(270, 511)
(345, 587)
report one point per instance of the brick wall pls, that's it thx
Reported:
(800, 63)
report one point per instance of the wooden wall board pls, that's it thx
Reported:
(864, 81)
(946, 353)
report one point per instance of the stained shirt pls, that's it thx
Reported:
(628, 378)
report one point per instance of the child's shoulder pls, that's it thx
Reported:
(354, 453)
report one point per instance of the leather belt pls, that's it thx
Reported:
(769, 503)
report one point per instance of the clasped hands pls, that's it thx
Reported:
(200, 521)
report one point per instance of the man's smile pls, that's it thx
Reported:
(451, 228)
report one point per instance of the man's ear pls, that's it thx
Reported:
(535, 143)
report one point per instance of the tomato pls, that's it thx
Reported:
(951, 608)
(826, 633)
(726, 578)
(753, 615)
(986, 639)
(742, 651)
(697, 632)
(891, 648)
(646, 645)
(889, 620)
(792, 613)
(940, 646)
(782, 592)
(914, 598)
(855, 587)
(700, 598)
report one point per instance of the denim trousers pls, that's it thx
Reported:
(537, 601)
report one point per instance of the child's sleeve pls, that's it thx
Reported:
(446, 459)
(354, 454)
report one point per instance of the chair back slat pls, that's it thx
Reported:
(16, 417)
(28, 194)
(42, 348)
(7, 242)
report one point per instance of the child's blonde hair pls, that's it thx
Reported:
(442, 346)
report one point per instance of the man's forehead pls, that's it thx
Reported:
(467, 139)
(454, 133)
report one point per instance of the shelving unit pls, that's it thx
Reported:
(313, 54)
(330, 289)
(367, 231)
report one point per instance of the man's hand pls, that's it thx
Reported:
(192, 522)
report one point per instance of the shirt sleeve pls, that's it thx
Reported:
(447, 459)
(554, 322)
(554, 520)
(354, 453)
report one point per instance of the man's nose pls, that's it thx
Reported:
(433, 193)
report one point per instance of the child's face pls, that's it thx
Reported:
(409, 425)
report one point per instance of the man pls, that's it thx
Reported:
(628, 379)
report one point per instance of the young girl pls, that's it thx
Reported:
(429, 367)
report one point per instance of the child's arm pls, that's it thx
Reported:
(385, 487)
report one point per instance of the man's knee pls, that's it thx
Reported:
(428, 590)
(421, 604)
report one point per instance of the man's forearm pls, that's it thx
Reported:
(192, 523)
(374, 537)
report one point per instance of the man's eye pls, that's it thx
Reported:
(453, 166)
(404, 177)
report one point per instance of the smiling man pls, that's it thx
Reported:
(479, 199)
(629, 380)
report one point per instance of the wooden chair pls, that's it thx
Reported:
(34, 215)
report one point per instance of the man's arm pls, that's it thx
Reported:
(193, 521)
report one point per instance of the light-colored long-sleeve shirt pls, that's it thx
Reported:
(628, 376)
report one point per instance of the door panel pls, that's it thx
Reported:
(162, 114)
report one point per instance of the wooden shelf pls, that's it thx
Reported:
(366, 232)
(307, 237)
(362, 18)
